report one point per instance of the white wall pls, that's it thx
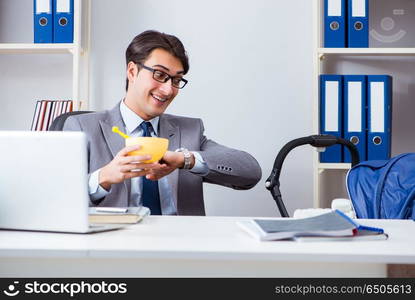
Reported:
(250, 80)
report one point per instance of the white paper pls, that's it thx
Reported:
(332, 106)
(334, 8)
(358, 8)
(121, 210)
(63, 6)
(354, 116)
(43, 6)
(377, 107)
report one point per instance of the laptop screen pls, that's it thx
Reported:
(43, 181)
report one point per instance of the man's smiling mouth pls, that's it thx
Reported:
(158, 98)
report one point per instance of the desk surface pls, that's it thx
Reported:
(206, 239)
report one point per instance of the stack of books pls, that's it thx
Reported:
(331, 226)
(47, 110)
(117, 215)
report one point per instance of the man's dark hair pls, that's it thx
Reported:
(144, 43)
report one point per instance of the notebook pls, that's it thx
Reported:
(44, 182)
(330, 224)
(118, 215)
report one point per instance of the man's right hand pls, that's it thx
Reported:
(124, 167)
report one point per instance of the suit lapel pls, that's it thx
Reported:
(171, 132)
(115, 142)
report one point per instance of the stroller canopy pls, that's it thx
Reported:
(383, 189)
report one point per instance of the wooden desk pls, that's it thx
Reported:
(171, 246)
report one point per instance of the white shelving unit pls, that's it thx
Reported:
(79, 50)
(326, 175)
(366, 51)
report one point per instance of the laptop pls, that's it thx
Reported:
(44, 182)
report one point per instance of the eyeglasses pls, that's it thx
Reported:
(160, 76)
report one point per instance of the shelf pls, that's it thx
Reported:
(334, 166)
(78, 50)
(328, 178)
(366, 51)
(30, 48)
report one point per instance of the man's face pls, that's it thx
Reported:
(146, 96)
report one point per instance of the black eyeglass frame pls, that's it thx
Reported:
(168, 77)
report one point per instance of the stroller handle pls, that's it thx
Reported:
(322, 140)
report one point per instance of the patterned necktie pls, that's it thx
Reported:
(150, 196)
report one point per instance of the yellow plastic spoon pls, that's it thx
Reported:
(117, 130)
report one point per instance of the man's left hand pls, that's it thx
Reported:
(170, 162)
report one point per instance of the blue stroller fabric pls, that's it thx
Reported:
(383, 189)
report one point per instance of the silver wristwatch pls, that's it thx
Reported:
(187, 157)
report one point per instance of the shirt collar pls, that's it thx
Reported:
(132, 120)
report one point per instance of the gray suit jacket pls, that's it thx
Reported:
(227, 167)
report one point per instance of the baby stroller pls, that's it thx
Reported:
(380, 189)
(318, 141)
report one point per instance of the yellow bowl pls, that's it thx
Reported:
(154, 146)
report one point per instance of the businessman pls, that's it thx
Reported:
(156, 66)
